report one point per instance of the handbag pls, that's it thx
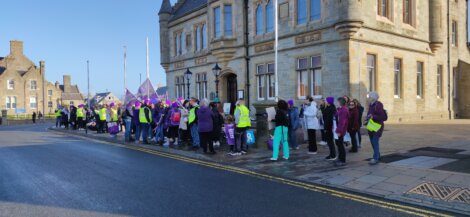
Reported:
(373, 126)
(250, 137)
(113, 128)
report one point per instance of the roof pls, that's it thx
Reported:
(72, 96)
(166, 7)
(187, 7)
(162, 90)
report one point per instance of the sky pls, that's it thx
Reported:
(66, 34)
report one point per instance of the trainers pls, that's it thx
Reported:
(243, 152)
(235, 154)
(373, 162)
(312, 152)
(285, 158)
(273, 159)
(330, 158)
(322, 143)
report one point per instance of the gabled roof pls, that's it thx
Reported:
(187, 7)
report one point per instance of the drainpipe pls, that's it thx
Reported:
(247, 52)
(449, 95)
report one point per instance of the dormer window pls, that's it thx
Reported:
(10, 84)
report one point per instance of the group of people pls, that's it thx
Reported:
(339, 123)
(192, 123)
(197, 124)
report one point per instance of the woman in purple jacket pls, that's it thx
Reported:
(206, 126)
(342, 120)
(378, 114)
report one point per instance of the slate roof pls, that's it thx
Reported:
(74, 93)
(187, 7)
(166, 7)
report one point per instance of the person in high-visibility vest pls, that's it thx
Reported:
(243, 122)
(192, 121)
(145, 117)
(58, 117)
(80, 116)
(102, 119)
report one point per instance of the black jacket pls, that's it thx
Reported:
(328, 115)
(282, 118)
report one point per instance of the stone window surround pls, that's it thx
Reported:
(439, 81)
(400, 74)
(33, 102)
(412, 16)
(200, 25)
(390, 12)
(221, 5)
(310, 70)
(454, 33)
(180, 86)
(31, 84)
(376, 74)
(49, 92)
(308, 14)
(266, 75)
(263, 4)
(177, 36)
(12, 101)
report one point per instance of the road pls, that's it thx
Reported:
(46, 174)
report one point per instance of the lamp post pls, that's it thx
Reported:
(216, 71)
(188, 74)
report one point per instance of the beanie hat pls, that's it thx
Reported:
(330, 100)
(290, 102)
(174, 105)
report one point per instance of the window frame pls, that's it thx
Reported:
(304, 20)
(301, 73)
(311, 6)
(439, 81)
(420, 80)
(10, 84)
(315, 73)
(397, 78)
(31, 85)
(33, 104)
(269, 16)
(371, 75)
(454, 33)
(408, 15)
(201, 85)
(8, 102)
(261, 79)
(217, 33)
(269, 77)
(259, 19)
(228, 31)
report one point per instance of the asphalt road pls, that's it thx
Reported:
(45, 174)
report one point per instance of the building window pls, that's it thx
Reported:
(270, 17)
(198, 38)
(302, 78)
(204, 36)
(217, 32)
(49, 92)
(261, 76)
(10, 84)
(71, 103)
(180, 41)
(420, 80)
(439, 81)
(397, 75)
(49, 104)
(201, 85)
(8, 102)
(33, 102)
(34, 85)
(454, 33)
(315, 77)
(315, 9)
(271, 81)
(259, 20)
(227, 20)
(177, 86)
(371, 71)
(383, 8)
(407, 11)
(301, 11)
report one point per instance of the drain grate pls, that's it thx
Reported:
(442, 192)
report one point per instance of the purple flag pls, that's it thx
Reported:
(146, 91)
(129, 99)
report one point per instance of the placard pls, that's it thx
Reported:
(271, 111)
(227, 107)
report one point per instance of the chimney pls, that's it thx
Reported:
(67, 84)
(16, 47)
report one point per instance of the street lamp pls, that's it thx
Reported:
(188, 74)
(216, 71)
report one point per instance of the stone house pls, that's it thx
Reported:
(23, 87)
(398, 48)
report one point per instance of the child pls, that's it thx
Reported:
(229, 129)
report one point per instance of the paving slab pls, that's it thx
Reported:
(403, 179)
(372, 179)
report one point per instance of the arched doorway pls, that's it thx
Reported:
(232, 88)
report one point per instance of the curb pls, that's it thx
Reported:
(400, 199)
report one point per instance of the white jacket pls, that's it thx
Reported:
(310, 117)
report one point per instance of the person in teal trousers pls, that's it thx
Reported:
(282, 121)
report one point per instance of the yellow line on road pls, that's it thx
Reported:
(311, 187)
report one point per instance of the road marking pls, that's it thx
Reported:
(311, 187)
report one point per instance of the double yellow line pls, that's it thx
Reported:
(311, 187)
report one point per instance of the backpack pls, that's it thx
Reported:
(385, 115)
(175, 117)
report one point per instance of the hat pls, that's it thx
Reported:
(80, 106)
(290, 102)
(330, 100)
(112, 104)
(147, 102)
(137, 104)
(174, 105)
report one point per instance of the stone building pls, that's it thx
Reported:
(398, 48)
(24, 88)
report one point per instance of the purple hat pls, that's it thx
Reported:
(174, 105)
(111, 105)
(147, 102)
(80, 106)
(290, 102)
(330, 100)
(137, 104)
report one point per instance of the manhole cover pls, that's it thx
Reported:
(442, 192)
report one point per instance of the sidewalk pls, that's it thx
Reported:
(426, 164)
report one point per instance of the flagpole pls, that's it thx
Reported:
(148, 69)
(276, 42)
(88, 83)
(125, 68)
